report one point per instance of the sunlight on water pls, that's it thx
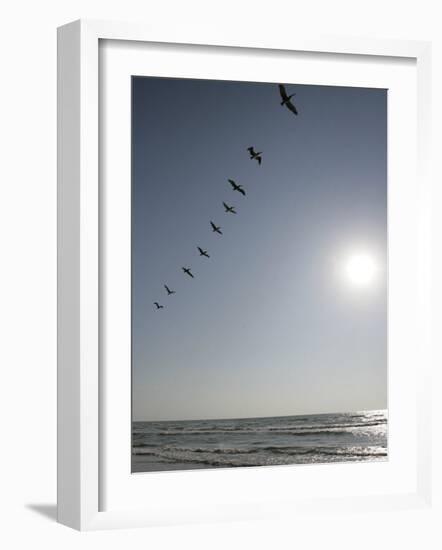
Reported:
(306, 439)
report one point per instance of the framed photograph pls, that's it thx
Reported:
(259, 310)
(243, 276)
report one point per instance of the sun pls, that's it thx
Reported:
(360, 270)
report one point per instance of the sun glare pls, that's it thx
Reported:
(360, 270)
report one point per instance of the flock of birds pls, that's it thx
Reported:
(286, 101)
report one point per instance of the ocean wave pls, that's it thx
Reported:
(275, 431)
(327, 426)
(144, 451)
(270, 455)
(203, 429)
(259, 442)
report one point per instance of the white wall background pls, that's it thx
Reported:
(28, 262)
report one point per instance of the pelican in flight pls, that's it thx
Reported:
(203, 252)
(187, 272)
(229, 209)
(237, 187)
(286, 99)
(216, 228)
(169, 292)
(255, 155)
(158, 305)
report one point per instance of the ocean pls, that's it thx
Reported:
(303, 439)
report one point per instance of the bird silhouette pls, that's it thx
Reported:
(216, 228)
(203, 252)
(229, 209)
(255, 155)
(158, 305)
(286, 99)
(169, 292)
(237, 187)
(187, 272)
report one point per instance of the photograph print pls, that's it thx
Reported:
(259, 274)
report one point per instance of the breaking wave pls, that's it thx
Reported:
(257, 442)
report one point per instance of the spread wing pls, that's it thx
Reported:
(259, 159)
(291, 107)
(241, 191)
(283, 93)
(251, 151)
(200, 250)
(213, 225)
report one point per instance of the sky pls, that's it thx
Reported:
(270, 325)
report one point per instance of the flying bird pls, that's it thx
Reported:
(237, 187)
(216, 228)
(187, 272)
(229, 209)
(286, 99)
(203, 252)
(158, 305)
(255, 155)
(169, 292)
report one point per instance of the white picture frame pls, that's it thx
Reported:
(81, 470)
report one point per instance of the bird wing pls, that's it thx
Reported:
(251, 151)
(225, 205)
(259, 159)
(242, 191)
(283, 93)
(200, 249)
(213, 225)
(167, 288)
(291, 107)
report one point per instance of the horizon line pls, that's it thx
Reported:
(255, 417)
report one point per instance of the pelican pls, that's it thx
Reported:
(187, 272)
(255, 155)
(237, 187)
(203, 252)
(169, 292)
(158, 305)
(286, 99)
(229, 209)
(216, 228)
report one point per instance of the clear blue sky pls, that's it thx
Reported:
(268, 326)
